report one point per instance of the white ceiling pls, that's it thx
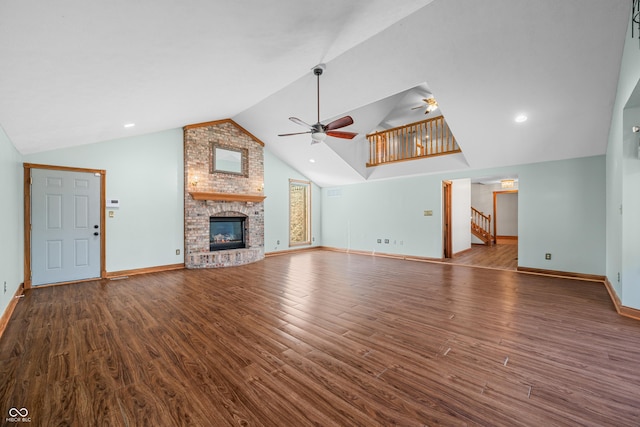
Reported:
(74, 72)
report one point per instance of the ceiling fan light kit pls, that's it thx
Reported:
(318, 137)
(432, 105)
(318, 131)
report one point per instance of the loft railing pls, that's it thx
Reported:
(431, 137)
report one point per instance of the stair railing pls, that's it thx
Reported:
(481, 226)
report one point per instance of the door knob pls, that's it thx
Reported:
(96, 234)
(96, 226)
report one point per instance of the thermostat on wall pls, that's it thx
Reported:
(113, 203)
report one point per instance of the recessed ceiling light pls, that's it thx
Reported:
(521, 118)
(129, 125)
(312, 160)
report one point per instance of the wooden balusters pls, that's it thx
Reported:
(481, 226)
(431, 137)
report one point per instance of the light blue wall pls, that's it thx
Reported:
(11, 221)
(623, 203)
(630, 273)
(146, 174)
(276, 205)
(561, 208)
(355, 216)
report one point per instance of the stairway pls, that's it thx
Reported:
(481, 226)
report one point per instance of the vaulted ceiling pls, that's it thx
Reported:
(75, 72)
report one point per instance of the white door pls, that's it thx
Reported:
(65, 226)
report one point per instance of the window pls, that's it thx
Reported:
(299, 212)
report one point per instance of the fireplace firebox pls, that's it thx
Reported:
(226, 233)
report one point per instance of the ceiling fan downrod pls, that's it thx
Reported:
(318, 70)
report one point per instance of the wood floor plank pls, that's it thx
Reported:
(503, 255)
(323, 338)
(388, 404)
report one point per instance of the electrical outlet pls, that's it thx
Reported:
(547, 256)
(5, 286)
(177, 251)
(386, 241)
(278, 242)
(379, 240)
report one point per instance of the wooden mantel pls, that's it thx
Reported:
(227, 197)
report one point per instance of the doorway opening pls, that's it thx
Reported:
(485, 221)
(446, 220)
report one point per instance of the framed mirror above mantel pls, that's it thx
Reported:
(229, 160)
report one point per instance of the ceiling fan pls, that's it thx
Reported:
(432, 104)
(319, 131)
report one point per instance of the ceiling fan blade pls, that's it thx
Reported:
(339, 123)
(341, 134)
(295, 133)
(301, 123)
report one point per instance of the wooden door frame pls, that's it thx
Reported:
(447, 241)
(27, 215)
(495, 212)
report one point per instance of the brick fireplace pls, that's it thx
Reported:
(223, 176)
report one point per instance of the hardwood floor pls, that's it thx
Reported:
(323, 338)
(504, 256)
